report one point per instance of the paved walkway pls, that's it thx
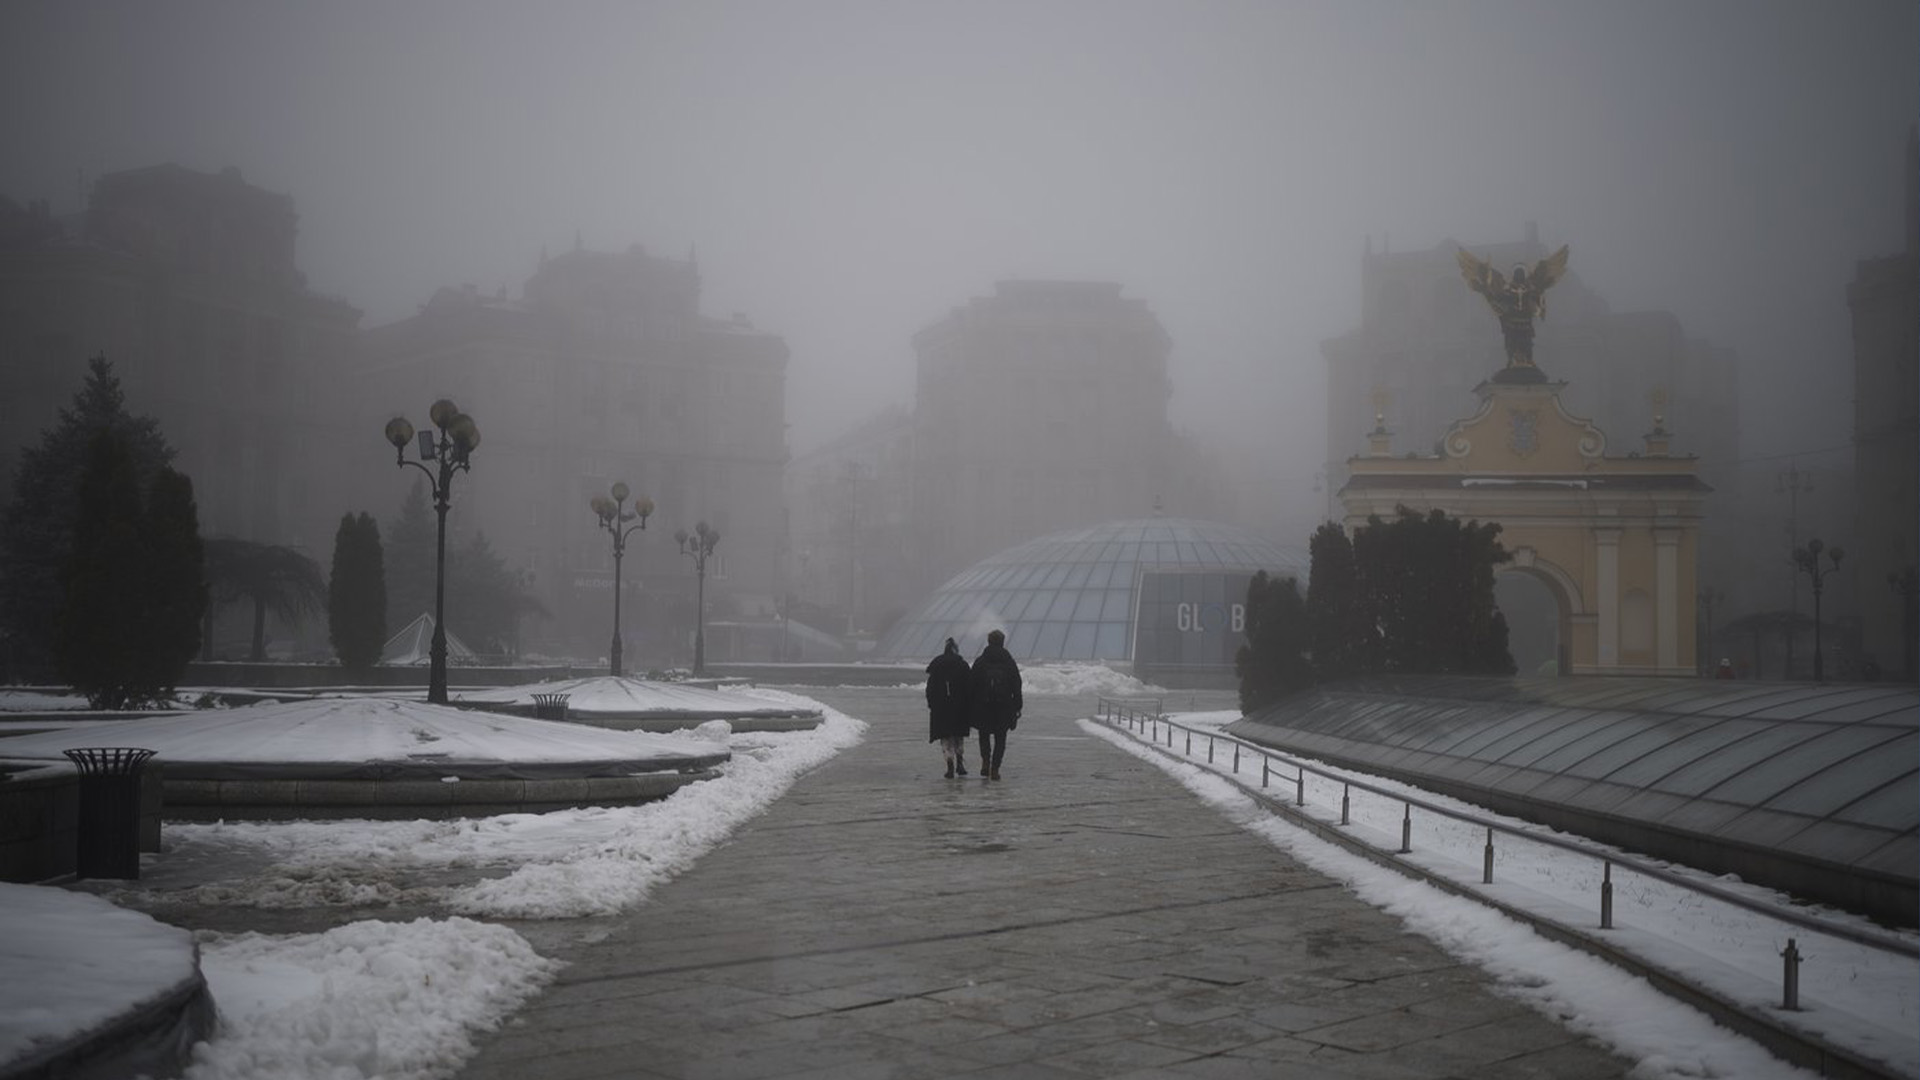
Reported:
(1085, 916)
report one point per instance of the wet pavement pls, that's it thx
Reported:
(1085, 916)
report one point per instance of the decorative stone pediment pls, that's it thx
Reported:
(1523, 428)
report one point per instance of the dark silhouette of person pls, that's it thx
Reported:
(996, 701)
(950, 706)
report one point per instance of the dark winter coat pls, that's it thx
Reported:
(985, 717)
(949, 696)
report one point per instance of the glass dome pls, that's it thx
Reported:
(1073, 595)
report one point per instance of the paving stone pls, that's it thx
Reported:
(1086, 916)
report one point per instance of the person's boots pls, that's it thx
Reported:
(960, 764)
(995, 774)
(950, 770)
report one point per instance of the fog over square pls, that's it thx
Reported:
(849, 172)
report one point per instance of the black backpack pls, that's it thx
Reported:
(997, 686)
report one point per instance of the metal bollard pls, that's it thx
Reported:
(1266, 767)
(1209, 749)
(1486, 876)
(1791, 998)
(1345, 791)
(1300, 787)
(1406, 831)
(1236, 759)
(1169, 736)
(1606, 897)
(1189, 742)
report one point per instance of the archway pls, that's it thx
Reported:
(1538, 621)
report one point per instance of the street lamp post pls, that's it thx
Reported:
(614, 515)
(1807, 561)
(448, 453)
(1707, 598)
(699, 545)
(1791, 482)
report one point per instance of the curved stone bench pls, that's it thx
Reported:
(152, 1032)
(406, 799)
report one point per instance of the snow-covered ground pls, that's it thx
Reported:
(1859, 997)
(89, 961)
(402, 1000)
(625, 694)
(348, 734)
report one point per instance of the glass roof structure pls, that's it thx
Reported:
(1073, 595)
(1827, 776)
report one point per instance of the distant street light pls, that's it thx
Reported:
(614, 515)
(1807, 560)
(1707, 598)
(699, 545)
(1791, 482)
(459, 436)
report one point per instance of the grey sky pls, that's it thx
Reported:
(851, 171)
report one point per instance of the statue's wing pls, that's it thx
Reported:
(1549, 270)
(1481, 276)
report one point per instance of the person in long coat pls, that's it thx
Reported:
(997, 702)
(950, 706)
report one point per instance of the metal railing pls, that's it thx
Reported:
(1156, 727)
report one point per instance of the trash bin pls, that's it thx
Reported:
(550, 706)
(109, 840)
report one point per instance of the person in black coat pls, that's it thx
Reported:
(997, 702)
(950, 706)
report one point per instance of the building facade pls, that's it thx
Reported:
(187, 283)
(1039, 408)
(604, 371)
(1885, 300)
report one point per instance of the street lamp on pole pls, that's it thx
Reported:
(447, 454)
(1791, 482)
(699, 545)
(612, 511)
(1807, 561)
(1707, 598)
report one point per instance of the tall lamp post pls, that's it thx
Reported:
(699, 545)
(1791, 482)
(1707, 598)
(447, 454)
(612, 511)
(1807, 561)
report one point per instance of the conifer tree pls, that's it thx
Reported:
(176, 577)
(36, 531)
(357, 593)
(1272, 663)
(1343, 636)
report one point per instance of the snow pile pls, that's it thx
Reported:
(369, 999)
(35, 701)
(76, 961)
(644, 846)
(341, 733)
(1082, 678)
(1667, 1039)
(590, 861)
(620, 695)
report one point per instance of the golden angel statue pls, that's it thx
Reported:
(1517, 301)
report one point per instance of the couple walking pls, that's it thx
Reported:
(984, 698)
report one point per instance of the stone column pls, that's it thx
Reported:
(1666, 596)
(1607, 596)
